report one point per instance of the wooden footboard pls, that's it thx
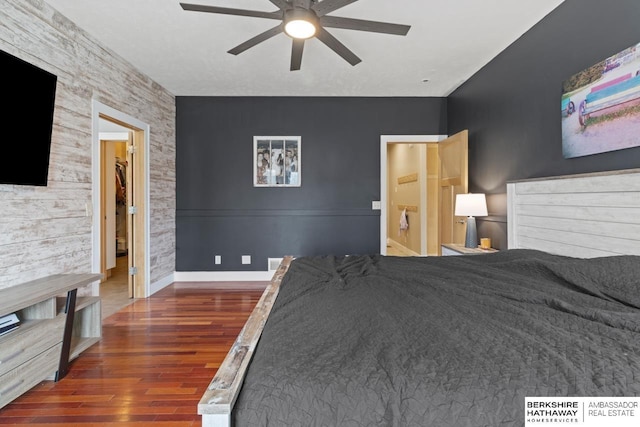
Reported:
(217, 402)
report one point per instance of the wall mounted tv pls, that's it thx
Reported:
(27, 121)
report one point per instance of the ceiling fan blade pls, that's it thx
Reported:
(296, 54)
(363, 25)
(231, 11)
(282, 4)
(328, 6)
(335, 45)
(255, 40)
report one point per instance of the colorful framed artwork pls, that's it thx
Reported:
(600, 106)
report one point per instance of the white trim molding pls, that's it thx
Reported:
(161, 284)
(98, 108)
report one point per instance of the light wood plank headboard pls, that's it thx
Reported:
(585, 216)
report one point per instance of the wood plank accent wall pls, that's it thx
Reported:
(585, 215)
(46, 230)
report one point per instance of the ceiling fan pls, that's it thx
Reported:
(303, 19)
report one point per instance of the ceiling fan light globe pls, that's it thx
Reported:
(300, 29)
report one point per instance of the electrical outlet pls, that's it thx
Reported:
(246, 259)
(218, 259)
(375, 205)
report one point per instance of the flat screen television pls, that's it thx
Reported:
(27, 121)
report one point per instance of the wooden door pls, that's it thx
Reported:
(433, 200)
(136, 195)
(136, 225)
(130, 223)
(107, 209)
(453, 159)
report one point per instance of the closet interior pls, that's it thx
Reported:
(121, 205)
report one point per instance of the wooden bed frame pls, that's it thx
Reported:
(585, 216)
(217, 402)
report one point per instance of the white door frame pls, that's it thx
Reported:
(97, 109)
(384, 141)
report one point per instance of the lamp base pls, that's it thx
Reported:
(471, 240)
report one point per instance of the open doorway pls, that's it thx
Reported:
(407, 170)
(419, 179)
(120, 237)
(406, 183)
(116, 287)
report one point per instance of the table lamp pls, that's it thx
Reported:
(471, 205)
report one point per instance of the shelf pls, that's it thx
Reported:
(37, 291)
(83, 302)
(87, 324)
(31, 338)
(25, 325)
(37, 349)
(80, 344)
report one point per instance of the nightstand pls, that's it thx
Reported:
(451, 249)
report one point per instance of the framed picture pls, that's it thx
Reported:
(276, 161)
(600, 106)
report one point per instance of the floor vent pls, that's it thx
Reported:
(274, 263)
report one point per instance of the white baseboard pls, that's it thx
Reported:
(160, 284)
(223, 276)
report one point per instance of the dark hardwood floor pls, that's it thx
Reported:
(156, 358)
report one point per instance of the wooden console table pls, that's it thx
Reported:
(55, 326)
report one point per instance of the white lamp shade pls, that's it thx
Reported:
(471, 204)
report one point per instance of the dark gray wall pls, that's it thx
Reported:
(511, 106)
(219, 212)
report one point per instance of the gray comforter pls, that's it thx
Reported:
(442, 341)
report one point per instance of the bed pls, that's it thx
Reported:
(450, 341)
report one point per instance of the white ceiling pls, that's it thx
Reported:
(186, 52)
